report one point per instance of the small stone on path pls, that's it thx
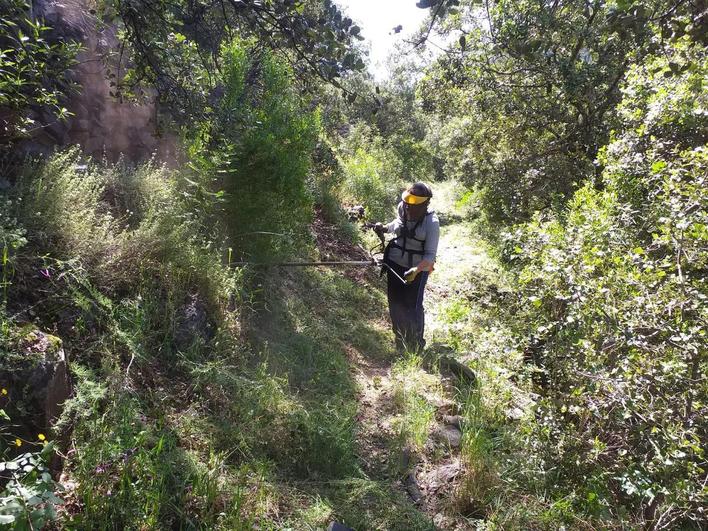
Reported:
(449, 434)
(413, 489)
(442, 475)
(455, 420)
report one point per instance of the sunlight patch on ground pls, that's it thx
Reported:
(461, 257)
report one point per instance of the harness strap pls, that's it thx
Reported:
(411, 251)
(406, 232)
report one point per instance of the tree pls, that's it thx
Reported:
(540, 81)
(175, 46)
(617, 301)
(33, 71)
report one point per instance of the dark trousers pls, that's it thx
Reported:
(405, 305)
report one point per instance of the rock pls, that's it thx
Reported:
(459, 370)
(49, 379)
(441, 482)
(444, 405)
(192, 323)
(515, 413)
(449, 434)
(409, 458)
(124, 129)
(443, 476)
(455, 420)
(336, 526)
(405, 458)
(37, 377)
(442, 522)
(411, 483)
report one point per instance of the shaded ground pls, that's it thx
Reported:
(325, 332)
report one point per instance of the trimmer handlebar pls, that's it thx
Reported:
(380, 246)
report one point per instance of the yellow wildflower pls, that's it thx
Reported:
(18, 442)
(41, 437)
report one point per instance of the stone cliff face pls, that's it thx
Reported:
(101, 124)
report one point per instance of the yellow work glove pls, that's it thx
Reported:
(409, 276)
(425, 265)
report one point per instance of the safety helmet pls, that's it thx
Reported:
(417, 194)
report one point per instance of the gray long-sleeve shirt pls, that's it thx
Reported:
(428, 231)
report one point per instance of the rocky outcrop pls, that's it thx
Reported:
(101, 124)
(36, 377)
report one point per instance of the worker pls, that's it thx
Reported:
(411, 255)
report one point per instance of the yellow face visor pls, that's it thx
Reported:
(413, 199)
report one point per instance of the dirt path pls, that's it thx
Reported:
(405, 435)
(375, 412)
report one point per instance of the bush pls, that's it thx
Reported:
(372, 174)
(616, 298)
(34, 71)
(29, 499)
(255, 154)
(118, 225)
(110, 256)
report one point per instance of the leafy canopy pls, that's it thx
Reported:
(175, 46)
(33, 71)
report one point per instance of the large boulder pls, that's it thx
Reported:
(35, 374)
(105, 126)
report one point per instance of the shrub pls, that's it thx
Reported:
(119, 225)
(616, 298)
(29, 499)
(372, 173)
(255, 154)
(34, 71)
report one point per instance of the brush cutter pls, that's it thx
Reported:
(373, 261)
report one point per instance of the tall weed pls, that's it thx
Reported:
(372, 173)
(255, 154)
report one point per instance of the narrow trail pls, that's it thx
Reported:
(327, 338)
(385, 389)
(458, 260)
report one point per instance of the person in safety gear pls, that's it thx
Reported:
(411, 254)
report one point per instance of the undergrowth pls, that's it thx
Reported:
(205, 396)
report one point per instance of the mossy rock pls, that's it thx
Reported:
(35, 374)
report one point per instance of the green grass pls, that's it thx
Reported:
(470, 316)
(223, 438)
(255, 423)
(413, 391)
(301, 338)
(203, 435)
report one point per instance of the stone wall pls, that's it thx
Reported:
(101, 125)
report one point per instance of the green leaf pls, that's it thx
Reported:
(658, 166)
